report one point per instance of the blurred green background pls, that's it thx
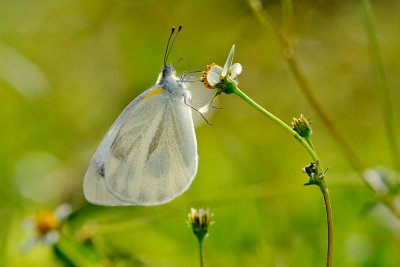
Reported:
(68, 68)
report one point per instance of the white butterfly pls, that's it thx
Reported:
(149, 155)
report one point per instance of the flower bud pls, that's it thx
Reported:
(199, 220)
(302, 126)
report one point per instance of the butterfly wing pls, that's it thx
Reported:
(94, 187)
(148, 157)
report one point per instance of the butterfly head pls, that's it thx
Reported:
(168, 71)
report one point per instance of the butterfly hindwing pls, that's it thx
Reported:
(149, 155)
(94, 187)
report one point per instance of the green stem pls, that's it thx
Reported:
(308, 139)
(73, 254)
(309, 149)
(303, 83)
(201, 253)
(328, 210)
(290, 57)
(384, 92)
(308, 146)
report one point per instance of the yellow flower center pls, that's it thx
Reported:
(203, 78)
(45, 221)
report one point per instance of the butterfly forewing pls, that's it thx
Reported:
(148, 157)
(156, 161)
(94, 185)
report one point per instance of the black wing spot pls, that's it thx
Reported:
(101, 170)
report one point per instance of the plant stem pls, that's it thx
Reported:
(328, 210)
(287, 44)
(73, 254)
(303, 83)
(384, 92)
(201, 252)
(308, 146)
(309, 149)
(308, 139)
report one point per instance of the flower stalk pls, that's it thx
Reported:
(275, 119)
(306, 143)
(223, 80)
(286, 40)
(199, 221)
(72, 253)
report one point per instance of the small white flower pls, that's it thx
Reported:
(374, 179)
(44, 227)
(216, 74)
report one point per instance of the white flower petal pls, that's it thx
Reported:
(51, 238)
(201, 215)
(193, 212)
(28, 244)
(28, 225)
(228, 62)
(214, 75)
(374, 179)
(216, 69)
(235, 70)
(63, 211)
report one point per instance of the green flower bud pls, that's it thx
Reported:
(302, 126)
(199, 222)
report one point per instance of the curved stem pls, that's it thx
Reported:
(305, 86)
(303, 83)
(308, 139)
(250, 101)
(308, 146)
(328, 210)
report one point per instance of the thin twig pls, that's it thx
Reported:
(384, 92)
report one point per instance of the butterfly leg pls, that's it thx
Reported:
(186, 99)
(204, 104)
(209, 102)
(190, 74)
(185, 59)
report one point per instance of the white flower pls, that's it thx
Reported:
(216, 74)
(44, 227)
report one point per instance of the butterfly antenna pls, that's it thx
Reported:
(172, 44)
(166, 50)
